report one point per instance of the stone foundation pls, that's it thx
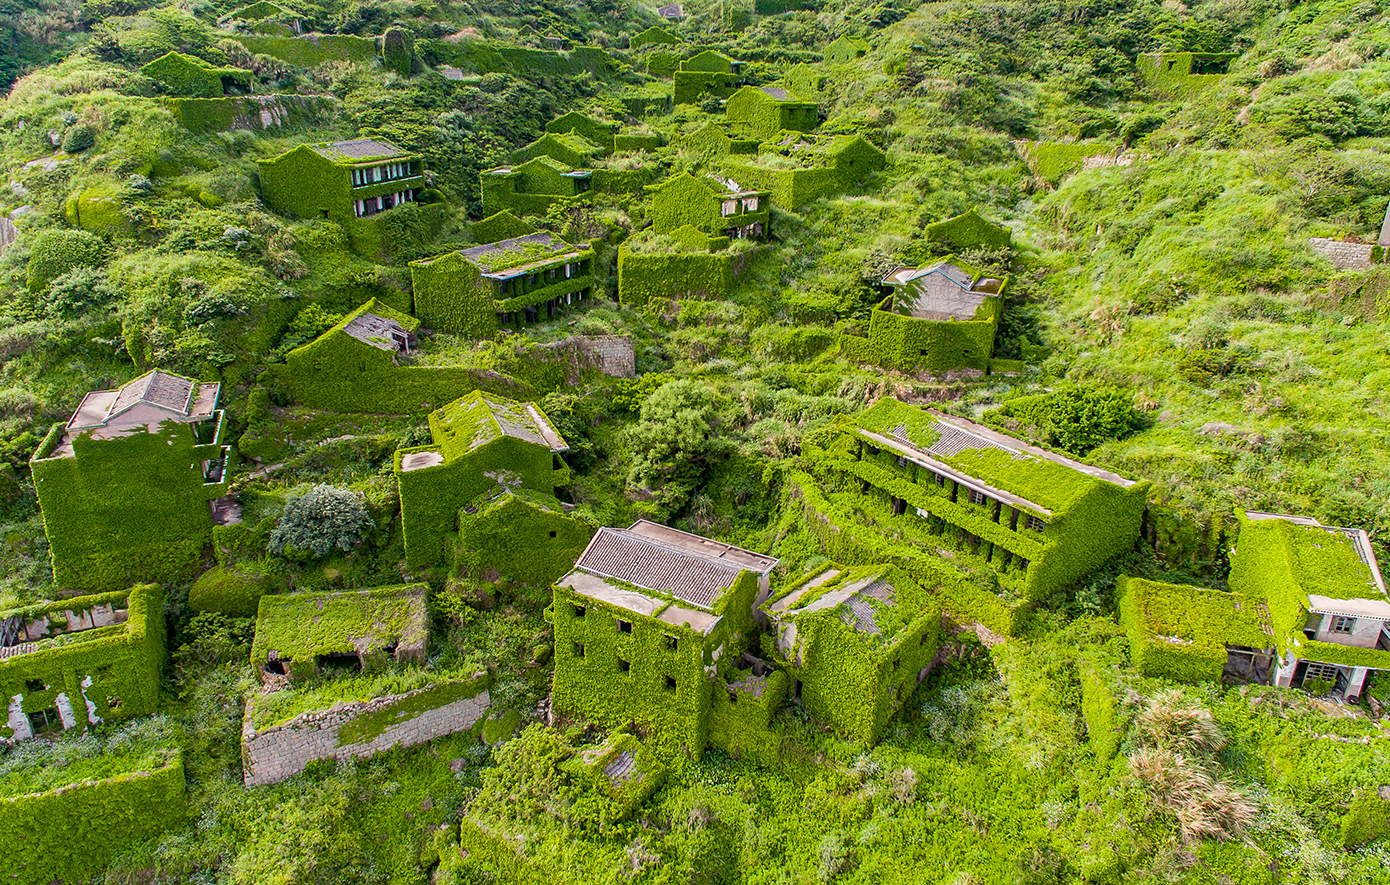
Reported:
(282, 751)
(1344, 256)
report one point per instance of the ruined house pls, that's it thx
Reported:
(301, 635)
(718, 206)
(342, 181)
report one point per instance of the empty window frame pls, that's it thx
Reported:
(978, 497)
(624, 666)
(579, 649)
(578, 610)
(1035, 523)
(1343, 624)
(672, 642)
(670, 683)
(624, 626)
(1326, 672)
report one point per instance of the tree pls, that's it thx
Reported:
(319, 520)
(673, 443)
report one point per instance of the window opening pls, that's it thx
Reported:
(1342, 624)
(624, 666)
(624, 626)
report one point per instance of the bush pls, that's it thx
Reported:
(320, 520)
(1073, 418)
(55, 252)
(78, 139)
(226, 592)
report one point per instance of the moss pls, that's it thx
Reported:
(368, 727)
(1181, 632)
(1367, 820)
(55, 252)
(96, 208)
(302, 626)
(227, 591)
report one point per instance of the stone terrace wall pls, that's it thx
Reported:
(282, 751)
(612, 355)
(1344, 256)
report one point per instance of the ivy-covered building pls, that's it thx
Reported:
(480, 441)
(301, 635)
(653, 36)
(720, 207)
(1327, 603)
(650, 625)
(341, 181)
(188, 77)
(797, 168)
(127, 486)
(519, 537)
(570, 149)
(1175, 74)
(475, 291)
(844, 50)
(857, 642)
(969, 230)
(597, 131)
(1034, 519)
(708, 74)
(941, 317)
(722, 138)
(370, 339)
(768, 110)
(532, 187)
(686, 263)
(81, 662)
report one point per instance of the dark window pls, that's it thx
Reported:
(579, 649)
(1022, 564)
(578, 610)
(45, 721)
(35, 685)
(624, 666)
(1342, 624)
(624, 626)
(923, 640)
(938, 479)
(670, 683)
(671, 641)
(1035, 523)
(552, 534)
(977, 497)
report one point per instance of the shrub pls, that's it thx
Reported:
(78, 139)
(1073, 417)
(320, 520)
(226, 592)
(1367, 820)
(55, 252)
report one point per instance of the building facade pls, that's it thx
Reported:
(719, 207)
(650, 625)
(342, 181)
(129, 486)
(768, 110)
(525, 279)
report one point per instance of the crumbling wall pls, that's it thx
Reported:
(1344, 256)
(360, 729)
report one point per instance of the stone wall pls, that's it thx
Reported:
(1344, 256)
(282, 751)
(612, 355)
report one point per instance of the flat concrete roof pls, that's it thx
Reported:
(598, 589)
(421, 460)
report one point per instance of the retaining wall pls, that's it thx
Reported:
(282, 751)
(1344, 256)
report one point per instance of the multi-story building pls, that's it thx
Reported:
(719, 207)
(476, 290)
(651, 625)
(857, 642)
(481, 441)
(1036, 519)
(1326, 600)
(129, 486)
(343, 180)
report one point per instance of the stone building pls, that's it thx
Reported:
(301, 635)
(532, 187)
(709, 74)
(857, 642)
(480, 441)
(129, 486)
(342, 181)
(797, 168)
(651, 626)
(719, 207)
(475, 291)
(80, 662)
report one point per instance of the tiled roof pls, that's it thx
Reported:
(688, 567)
(861, 612)
(358, 149)
(778, 93)
(375, 330)
(173, 393)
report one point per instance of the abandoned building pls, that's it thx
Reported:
(341, 181)
(768, 110)
(188, 77)
(796, 167)
(941, 317)
(84, 661)
(719, 207)
(532, 187)
(709, 74)
(372, 337)
(480, 441)
(130, 485)
(651, 623)
(477, 290)
(1325, 597)
(301, 635)
(857, 642)
(1036, 519)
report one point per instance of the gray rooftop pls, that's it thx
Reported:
(358, 149)
(491, 257)
(666, 560)
(378, 331)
